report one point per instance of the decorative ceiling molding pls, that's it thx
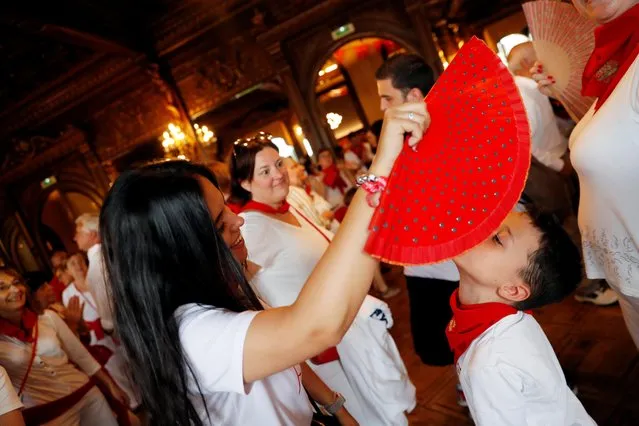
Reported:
(27, 155)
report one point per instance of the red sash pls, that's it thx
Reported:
(44, 413)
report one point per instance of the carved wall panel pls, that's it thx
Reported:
(140, 115)
(35, 154)
(211, 77)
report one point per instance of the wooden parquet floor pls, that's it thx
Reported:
(592, 344)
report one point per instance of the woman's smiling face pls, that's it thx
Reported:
(12, 292)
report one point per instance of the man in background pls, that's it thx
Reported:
(407, 78)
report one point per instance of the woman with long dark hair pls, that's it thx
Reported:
(200, 349)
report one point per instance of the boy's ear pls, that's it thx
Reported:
(514, 292)
(246, 185)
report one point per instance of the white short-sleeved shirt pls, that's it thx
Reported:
(213, 341)
(96, 279)
(9, 400)
(287, 254)
(511, 376)
(604, 149)
(54, 373)
(548, 145)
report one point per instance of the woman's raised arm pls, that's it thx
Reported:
(280, 338)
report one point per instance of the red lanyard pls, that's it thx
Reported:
(312, 224)
(34, 345)
(86, 299)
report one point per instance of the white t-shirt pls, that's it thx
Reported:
(548, 145)
(511, 376)
(213, 342)
(287, 254)
(375, 368)
(54, 373)
(96, 280)
(604, 148)
(9, 400)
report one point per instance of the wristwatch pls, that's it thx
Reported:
(336, 405)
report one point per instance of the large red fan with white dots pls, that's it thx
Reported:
(469, 169)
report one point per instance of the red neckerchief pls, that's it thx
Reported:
(470, 321)
(616, 47)
(58, 287)
(234, 207)
(308, 188)
(265, 208)
(24, 332)
(333, 179)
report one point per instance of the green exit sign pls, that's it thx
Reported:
(343, 31)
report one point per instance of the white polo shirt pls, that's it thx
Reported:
(96, 279)
(548, 145)
(511, 376)
(9, 400)
(213, 341)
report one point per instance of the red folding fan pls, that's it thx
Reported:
(469, 169)
(563, 40)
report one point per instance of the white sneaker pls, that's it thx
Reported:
(597, 293)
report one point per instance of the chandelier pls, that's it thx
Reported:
(334, 120)
(177, 144)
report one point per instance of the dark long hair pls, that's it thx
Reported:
(161, 251)
(243, 164)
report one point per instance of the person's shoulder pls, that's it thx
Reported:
(513, 338)
(69, 292)
(195, 315)
(199, 324)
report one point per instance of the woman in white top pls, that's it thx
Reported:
(10, 404)
(200, 349)
(604, 150)
(48, 365)
(288, 246)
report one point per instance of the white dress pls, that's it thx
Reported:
(213, 341)
(287, 255)
(605, 153)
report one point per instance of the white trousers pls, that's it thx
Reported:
(91, 410)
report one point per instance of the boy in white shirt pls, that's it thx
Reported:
(507, 368)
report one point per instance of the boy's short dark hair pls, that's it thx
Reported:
(407, 71)
(554, 269)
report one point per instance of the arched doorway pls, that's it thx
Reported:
(345, 87)
(57, 218)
